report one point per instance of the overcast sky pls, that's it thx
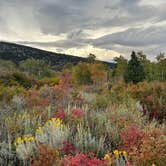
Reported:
(106, 28)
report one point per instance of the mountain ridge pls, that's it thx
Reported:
(18, 52)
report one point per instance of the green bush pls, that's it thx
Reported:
(18, 79)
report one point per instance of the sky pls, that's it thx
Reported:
(106, 28)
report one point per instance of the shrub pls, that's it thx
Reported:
(7, 93)
(82, 74)
(47, 156)
(144, 146)
(77, 113)
(86, 142)
(152, 97)
(49, 81)
(68, 149)
(18, 79)
(82, 159)
(131, 137)
(52, 134)
(101, 102)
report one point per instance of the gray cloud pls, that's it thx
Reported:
(60, 16)
(61, 44)
(135, 37)
(130, 38)
(73, 17)
(75, 39)
(64, 16)
(151, 40)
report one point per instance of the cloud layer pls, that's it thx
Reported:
(103, 27)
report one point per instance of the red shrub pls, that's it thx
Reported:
(82, 159)
(78, 113)
(60, 114)
(68, 148)
(144, 146)
(132, 136)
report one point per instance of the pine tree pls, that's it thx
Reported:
(135, 71)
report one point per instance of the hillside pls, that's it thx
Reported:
(17, 53)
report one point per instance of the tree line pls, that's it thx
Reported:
(137, 69)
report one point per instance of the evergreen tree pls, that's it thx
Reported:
(135, 71)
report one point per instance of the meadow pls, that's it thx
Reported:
(77, 117)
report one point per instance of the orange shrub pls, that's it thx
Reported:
(47, 156)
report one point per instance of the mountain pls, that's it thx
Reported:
(18, 53)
